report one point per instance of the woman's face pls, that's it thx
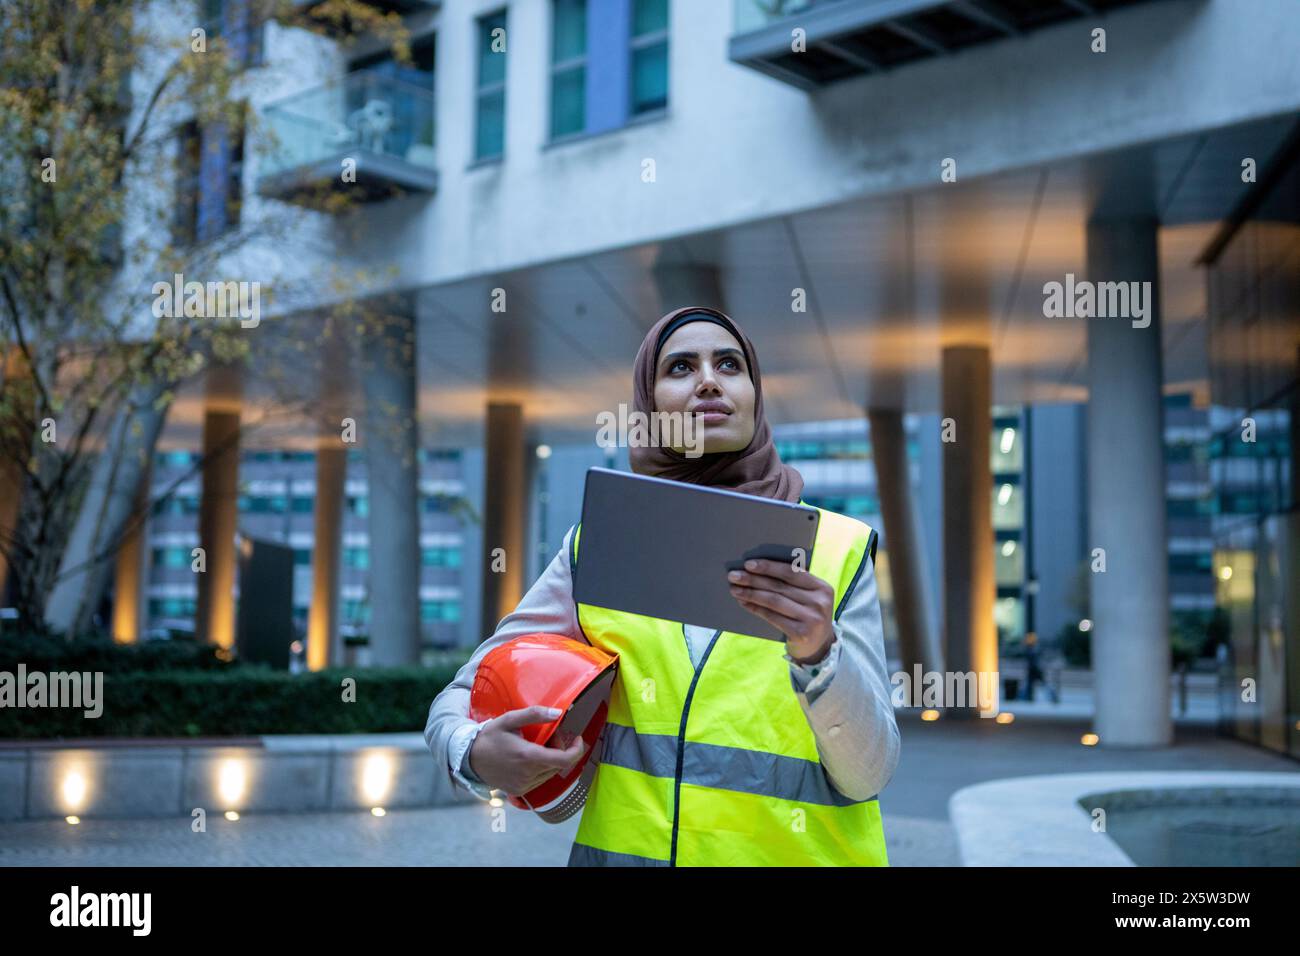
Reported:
(702, 368)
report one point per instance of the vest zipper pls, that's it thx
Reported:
(681, 738)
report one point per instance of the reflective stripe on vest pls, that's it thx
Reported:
(716, 765)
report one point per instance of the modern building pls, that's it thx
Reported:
(1061, 210)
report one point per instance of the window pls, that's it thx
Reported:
(649, 56)
(185, 223)
(171, 558)
(440, 557)
(490, 132)
(609, 63)
(171, 607)
(238, 24)
(568, 67)
(209, 181)
(446, 611)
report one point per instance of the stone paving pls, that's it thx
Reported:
(938, 759)
(446, 836)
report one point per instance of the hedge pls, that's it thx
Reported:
(243, 701)
(52, 653)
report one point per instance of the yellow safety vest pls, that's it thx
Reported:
(716, 765)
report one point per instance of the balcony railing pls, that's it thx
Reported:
(385, 126)
(755, 14)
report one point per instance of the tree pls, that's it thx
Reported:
(96, 209)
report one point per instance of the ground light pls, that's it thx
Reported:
(378, 812)
(74, 791)
(929, 715)
(232, 781)
(1089, 740)
(73, 819)
(1005, 717)
(377, 780)
(232, 815)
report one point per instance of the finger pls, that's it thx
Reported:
(524, 716)
(774, 600)
(552, 758)
(783, 571)
(785, 625)
(538, 780)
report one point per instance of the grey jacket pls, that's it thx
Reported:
(845, 696)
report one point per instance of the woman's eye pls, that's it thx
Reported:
(673, 367)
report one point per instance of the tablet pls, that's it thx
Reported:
(663, 548)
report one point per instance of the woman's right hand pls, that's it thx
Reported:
(504, 760)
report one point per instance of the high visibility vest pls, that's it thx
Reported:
(716, 765)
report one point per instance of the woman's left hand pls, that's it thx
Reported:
(798, 604)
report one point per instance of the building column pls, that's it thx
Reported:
(1126, 498)
(214, 618)
(323, 615)
(129, 572)
(392, 465)
(505, 511)
(908, 575)
(15, 439)
(970, 635)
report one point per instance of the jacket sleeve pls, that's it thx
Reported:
(848, 703)
(547, 607)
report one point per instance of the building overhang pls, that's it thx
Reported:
(848, 38)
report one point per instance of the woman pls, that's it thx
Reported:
(740, 751)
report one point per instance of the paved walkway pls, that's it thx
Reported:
(938, 759)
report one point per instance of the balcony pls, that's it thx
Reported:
(849, 38)
(384, 125)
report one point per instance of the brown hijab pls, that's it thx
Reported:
(754, 470)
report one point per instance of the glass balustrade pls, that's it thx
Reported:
(363, 114)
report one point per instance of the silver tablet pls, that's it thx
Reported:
(663, 548)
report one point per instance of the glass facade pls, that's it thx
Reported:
(1254, 346)
(277, 499)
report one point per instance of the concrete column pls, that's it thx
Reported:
(392, 450)
(214, 617)
(15, 438)
(970, 634)
(1126, 498)
(505, 511)
(908, 574)
(323, 648)
(129, 571)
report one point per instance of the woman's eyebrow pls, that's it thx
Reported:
(716, 352)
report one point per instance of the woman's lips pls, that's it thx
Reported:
(713, 417)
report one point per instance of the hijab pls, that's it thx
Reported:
(756, 469)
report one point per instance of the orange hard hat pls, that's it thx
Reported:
(553, 671)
